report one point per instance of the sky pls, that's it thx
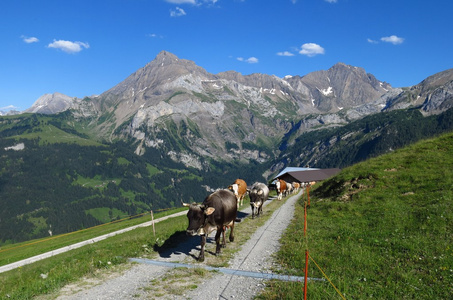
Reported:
(85, 47)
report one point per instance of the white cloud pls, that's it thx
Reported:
(250, 60)
(331, 1)
(311, 49)
(393, 39)
(68, 46)
(285, 53)
(179, 12)
(30, 40)
(154, 35)
(372, 41)
(9, 107)
(182, 1)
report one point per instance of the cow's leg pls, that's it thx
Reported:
(253, 210)
(223, 236)
(231, 232)
(203, 243)
(220, 230)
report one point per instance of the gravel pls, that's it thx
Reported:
(255, 255)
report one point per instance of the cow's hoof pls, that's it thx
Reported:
(231, 239)
(201, 259)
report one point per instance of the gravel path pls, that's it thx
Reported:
(255, 255)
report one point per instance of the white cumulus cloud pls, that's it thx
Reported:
(285, 53)
(178, 12)
(30, 40)
(311, 49)
(68, 46)
(395, 40)
(250, 60)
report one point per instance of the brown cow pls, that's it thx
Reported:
(217, 212)
(239, 188)
(281, 188)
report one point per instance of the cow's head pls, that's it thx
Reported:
(234, 188)
(197, 215)
(255, 197)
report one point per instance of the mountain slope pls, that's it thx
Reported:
(365, 138)
(227, 115)
(433, 95)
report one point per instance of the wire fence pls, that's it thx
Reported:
(307, 254)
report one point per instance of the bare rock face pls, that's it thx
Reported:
(52, 103)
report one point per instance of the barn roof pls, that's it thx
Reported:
(306, 174)
(293, 169)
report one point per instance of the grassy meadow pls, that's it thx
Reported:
(380, 229)
(45, 278)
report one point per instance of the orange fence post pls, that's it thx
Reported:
(308, 195)
(306, 275)
(305, 219)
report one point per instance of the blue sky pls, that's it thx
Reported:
(83, 48)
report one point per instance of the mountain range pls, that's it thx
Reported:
(227, 115)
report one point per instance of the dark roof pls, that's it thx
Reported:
(310, 175)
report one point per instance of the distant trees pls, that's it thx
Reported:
(369, 137)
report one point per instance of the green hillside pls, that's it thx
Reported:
(55, 179)
(380, 229)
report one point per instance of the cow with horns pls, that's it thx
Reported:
(258, 195)
(217, 212)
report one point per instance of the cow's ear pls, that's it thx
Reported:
(209, 211)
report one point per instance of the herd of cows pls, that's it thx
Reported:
(219, 210)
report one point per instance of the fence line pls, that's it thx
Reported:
(307, 255)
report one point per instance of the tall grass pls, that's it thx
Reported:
(380, 229)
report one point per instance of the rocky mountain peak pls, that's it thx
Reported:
(166, 67)
(51, 104)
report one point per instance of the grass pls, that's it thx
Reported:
(51, 274)
(15, 252)
(380, 229)
(48, 276)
